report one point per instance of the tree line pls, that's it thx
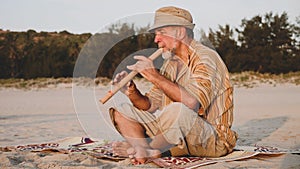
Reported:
(266, 44)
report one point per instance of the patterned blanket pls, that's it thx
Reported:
(103, 149)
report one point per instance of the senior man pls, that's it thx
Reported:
(189, 109)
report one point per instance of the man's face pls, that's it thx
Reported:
(165, 37)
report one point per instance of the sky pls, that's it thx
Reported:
(91, 16)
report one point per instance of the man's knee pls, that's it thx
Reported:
(118, 117)
(177, 112)
(177, 116)
(122, 111)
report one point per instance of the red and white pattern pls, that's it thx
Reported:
(103, 149)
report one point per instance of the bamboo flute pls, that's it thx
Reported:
(126, 79)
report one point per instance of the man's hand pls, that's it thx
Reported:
(129, 87)
(140, 101)
(144, 66)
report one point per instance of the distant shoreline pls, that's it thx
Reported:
(245, 79)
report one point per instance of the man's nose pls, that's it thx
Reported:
(157, 38)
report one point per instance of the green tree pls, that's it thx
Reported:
(124, 41)
(9, 52)
(267, 44)
(225, 44)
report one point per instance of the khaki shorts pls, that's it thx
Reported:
(180, 126)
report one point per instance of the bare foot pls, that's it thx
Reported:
(120, 148)
(141, 155)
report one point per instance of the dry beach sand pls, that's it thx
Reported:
(265, 114)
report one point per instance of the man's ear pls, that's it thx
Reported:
(181, 33)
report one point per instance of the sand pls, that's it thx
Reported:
(266, 114)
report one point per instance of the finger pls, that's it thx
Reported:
(119, 77)
(131, 67)
(116, 79)
(123, 73)
(130, 83)
(140, 57)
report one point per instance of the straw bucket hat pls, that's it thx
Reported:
(172, 16)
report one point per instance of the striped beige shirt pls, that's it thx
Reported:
(206, 77)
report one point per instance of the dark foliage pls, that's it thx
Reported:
(266, 43)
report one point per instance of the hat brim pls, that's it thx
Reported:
(156, 26)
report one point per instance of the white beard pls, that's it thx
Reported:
(168, 54)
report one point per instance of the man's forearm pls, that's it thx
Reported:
(137, 98)
(175, 92)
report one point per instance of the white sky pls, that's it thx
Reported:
(82, 16)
